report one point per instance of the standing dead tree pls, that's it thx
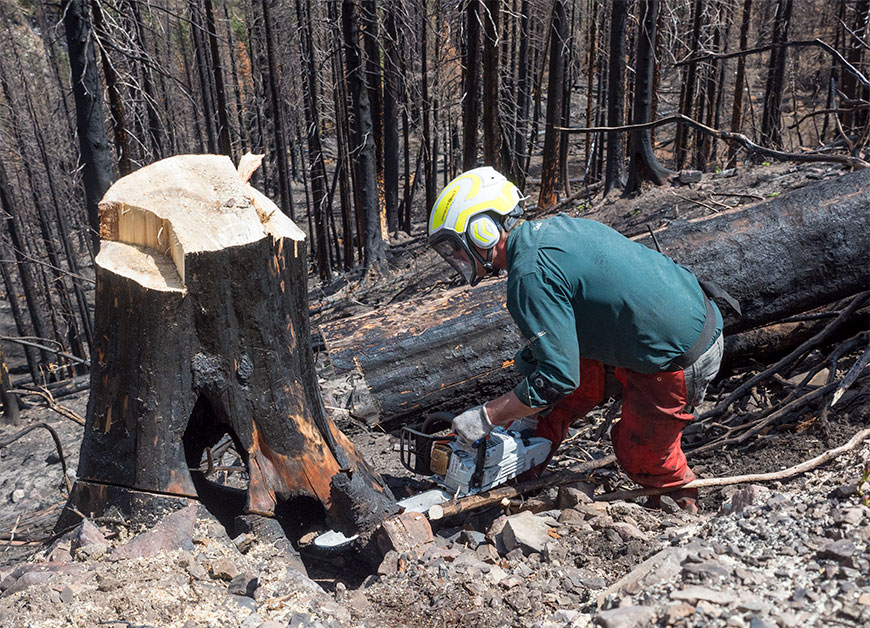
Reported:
(95, 154)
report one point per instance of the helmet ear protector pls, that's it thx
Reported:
(483, 232)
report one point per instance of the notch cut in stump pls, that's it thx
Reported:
(202, 331)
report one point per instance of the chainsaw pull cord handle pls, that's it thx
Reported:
(480, 463)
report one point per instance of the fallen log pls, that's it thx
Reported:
(577, 473)
(202, 331)
(780, 257)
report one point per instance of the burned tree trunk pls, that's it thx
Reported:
(202, 322)
(788, 255)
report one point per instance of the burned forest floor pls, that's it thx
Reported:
(790, 552)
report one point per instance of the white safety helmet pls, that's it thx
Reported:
(470, 213)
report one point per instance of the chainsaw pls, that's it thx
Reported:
(463, 469)
(458, 468)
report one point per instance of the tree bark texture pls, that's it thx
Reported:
(771, 117)
(392, 87)
(471, 85)
(783, 256)
(224, 144)
(363, 138)
(739, 82)
(320, 205)
(614, 165)
(95, 154)
(491, 119)
(10, 401)
(643, 165)
(202, 321)
(279, 132)
(687, 94)
(549, 194)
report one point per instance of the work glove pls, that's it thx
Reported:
(472, 425)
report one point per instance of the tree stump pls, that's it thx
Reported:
(202, 331)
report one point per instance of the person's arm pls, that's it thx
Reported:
(507, 408)
(543, 311)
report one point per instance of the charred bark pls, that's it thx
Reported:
(549, 193)
(471, 85)
(614, 165)
(203, 330)
(784, 256)
(95, 154)
(644, 166)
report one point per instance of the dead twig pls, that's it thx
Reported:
(851, 376)
(54, 436)
(805, 347)
(727, 136)
(697, 202)
(763, 421)
(785, 474)
(52, 404)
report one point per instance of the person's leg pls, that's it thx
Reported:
(554, 424)
(646, 440)
(656, 408)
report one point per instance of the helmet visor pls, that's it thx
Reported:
(457, 256)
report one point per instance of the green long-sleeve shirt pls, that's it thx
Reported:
(578, 288)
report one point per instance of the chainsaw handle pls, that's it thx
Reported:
(479, 464)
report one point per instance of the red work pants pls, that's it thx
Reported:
(646, 440)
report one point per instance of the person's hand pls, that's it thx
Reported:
(472, 425)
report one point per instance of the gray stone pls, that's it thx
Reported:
(748, 496)
(244, 601)
(627, 617)
(66, 595)
(527, 532)
(224, 569)
(570, 497)
(759, 622)
(841, 551)
(472, 538)
(572, 517)
(107, 582)
(88, 534)
(689, 176)
(244, 542)
(853, 516)
(668, 505)
(390, 564)
(675, 612)
(487, 553)
(749, 603)
(601, 522)
(708, 609)
(592, 510)
(17, 495)
(175, 531)
(628, 531)
(707, 569)
(655, 569)
(243, 584)
(697, 593)
(28, 574)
